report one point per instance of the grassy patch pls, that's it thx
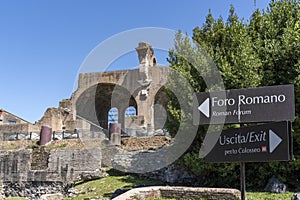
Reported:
(268, 196)
(161, 199)
(18, 144)
(31, 144)
(105, 187)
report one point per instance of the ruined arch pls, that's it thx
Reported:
(111, 95)
(94, 103)
(160, 108)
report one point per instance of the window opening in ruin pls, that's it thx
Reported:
(11, 122)
(113, 115)
(130, 111)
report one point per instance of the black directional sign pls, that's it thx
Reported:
(266, 142)
(262, 104)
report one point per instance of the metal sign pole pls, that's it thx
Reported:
(243, 177)
(243, 182)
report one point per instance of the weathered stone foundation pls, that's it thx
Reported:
(180, 193)
(32, 173)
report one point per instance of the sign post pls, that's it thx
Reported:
(260, 143)
(243, 177)
(243, 180)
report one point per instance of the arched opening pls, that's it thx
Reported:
(95, 104)
(110, 96)
(113, 116)
(130, 111)
(133, 122)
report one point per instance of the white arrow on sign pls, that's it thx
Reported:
(274, 140)
(204, 107)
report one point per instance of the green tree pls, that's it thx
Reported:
(275, 35)
(266, 51)
(230, 46)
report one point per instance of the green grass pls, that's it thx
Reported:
(257, 196)
(161, 199)
(105, 187)
(268, 196)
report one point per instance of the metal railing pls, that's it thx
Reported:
(20, 136)
(56, 135)
(63, 134)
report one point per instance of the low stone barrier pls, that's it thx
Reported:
(180, 193)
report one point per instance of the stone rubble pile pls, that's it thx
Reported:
(33, 190)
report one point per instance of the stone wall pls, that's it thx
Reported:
(9, 129)
(87, 80)
(14, 165)
(11, 124)
(108, 154)
(14, 128)
(7, 118)
(74, 164)
(63, 165)
(132, 89)
(139, 155)
(141, 161)
(180, 193)
(53, 117)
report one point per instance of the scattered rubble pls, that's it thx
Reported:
(275, 186)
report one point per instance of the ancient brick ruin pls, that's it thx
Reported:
(87, 112)
(88, 107)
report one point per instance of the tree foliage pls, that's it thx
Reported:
(264, 51)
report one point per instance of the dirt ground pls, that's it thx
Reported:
(145, 143)
(130, 144)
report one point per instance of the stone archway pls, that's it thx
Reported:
(160, 108)
(94, 103)
(110, 95)
(99, 91)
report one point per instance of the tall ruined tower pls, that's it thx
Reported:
(147, 60)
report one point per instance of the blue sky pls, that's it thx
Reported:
(43, 43)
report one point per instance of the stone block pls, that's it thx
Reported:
(296, 196)
(57, 196)
(275, 186)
